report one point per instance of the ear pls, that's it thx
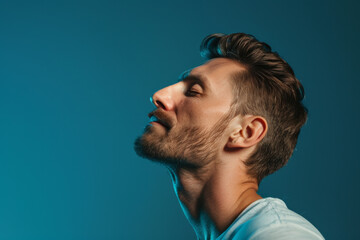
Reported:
(249, 132)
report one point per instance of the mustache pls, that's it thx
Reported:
(162, 117)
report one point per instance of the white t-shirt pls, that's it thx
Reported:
(268, 219)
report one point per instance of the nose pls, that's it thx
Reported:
(164, 99)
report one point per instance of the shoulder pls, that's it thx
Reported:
(269, 218)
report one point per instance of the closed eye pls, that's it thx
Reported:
(194, 90)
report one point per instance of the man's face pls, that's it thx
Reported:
(191, 117)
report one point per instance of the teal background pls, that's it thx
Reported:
(75, 82)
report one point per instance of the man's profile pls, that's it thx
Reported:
(220, 130)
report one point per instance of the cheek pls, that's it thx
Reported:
(201, 113)
(190, 112)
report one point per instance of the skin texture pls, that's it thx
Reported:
(204, 145)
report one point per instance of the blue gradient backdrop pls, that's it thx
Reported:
(75, 82)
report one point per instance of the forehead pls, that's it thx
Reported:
(217, 72)
(220, 64)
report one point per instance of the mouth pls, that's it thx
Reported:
(154, 119)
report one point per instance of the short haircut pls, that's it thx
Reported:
(268, 88)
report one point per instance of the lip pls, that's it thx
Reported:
(156, 120)
(157, 123)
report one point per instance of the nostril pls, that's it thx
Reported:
(160, 104)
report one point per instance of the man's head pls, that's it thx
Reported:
(191, 116)
(244, 96)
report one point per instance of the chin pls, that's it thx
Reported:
(150, 146)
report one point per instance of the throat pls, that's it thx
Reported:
(212, 201)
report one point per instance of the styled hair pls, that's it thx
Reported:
(268, 88)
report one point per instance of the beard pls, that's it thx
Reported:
(188, 146)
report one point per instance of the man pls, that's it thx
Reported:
(220, 130)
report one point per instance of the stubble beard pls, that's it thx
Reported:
(188, 146)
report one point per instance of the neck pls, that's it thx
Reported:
(213, 196)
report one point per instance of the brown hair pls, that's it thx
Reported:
(268, 88)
